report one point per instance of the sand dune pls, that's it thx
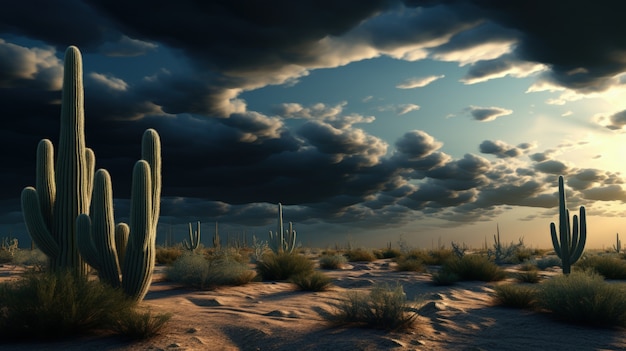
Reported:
(273, 316)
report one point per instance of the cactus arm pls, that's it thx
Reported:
(46, 188)
(555, 240)
(85, 242)
(194, 239)
(90, 165)
(580, 245)
(140, 251)
(122, 231)
(36, 224)
(280, 231)
(151, 152)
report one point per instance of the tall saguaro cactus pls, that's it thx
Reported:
(570, 242)
(129, 250)
(63, 192)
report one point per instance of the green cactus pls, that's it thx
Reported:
(194, 239)
(216, 238)
(124, 249)
(279, 242)
(63, 192)
(570, 243)
(618, 244)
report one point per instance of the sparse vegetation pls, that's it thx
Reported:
(283, 266)
(410, 265)
(360, 255)
(529, 276)
(385, 307)
(444, 277)
(315, 281)
(610, 267)
(474, 267)
(584, 297)
(56, 305)
(167, 255)
(515, 295)
(196, 271)
(332, 261)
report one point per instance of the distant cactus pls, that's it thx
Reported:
(216, 238)
(194, 239)
(618, 244)
(280, 241)
(569, 244)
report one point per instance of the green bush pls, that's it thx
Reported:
(57, 305)
(431, 257)
(196, 271)
(444, 277)
(584, 297)
(515, 295)
(133, 324)
(34, 258)
(474, 267)
(530, 276)
(360, 255)
(283, 266)
(167, 255)
(607, 266)
(547, 262)
(335, 261)
(410, 265)
(316, 281)
(387, 253)
(384, 307)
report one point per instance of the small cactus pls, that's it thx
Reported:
(569, 243)
(618, 244)
(282, 241)
(216, 238)
(194, 239)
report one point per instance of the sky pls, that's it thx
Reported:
(372, 122)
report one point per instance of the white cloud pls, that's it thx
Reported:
(110, 82)
(412, 83)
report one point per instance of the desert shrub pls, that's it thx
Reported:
(515, 295)
(431, 257)
(474, 267)
(529, 276)
(385, 307)
(528, 266)
(584, 297)
(387, 253)
(359, 255)
(34, 258)
(410, 265)
(57, 305)
(607, 266)
(167, 255)
(230, 253)
(444, 277)
(196, 271)
(334, 261)
(283, 266)
(133, 324)
(316, 281)
(547, 262)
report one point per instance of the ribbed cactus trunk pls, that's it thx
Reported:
(61, 194)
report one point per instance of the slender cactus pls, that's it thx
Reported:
(568, 244)
(618, 244)
(62, 193)
(282, 241)
(216, 238)
(194, 239)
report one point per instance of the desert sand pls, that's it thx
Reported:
(274, 316)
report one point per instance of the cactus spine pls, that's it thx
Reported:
(62, 193)
(194, 239)
(279, 242)
(569, 243)
(125, 249)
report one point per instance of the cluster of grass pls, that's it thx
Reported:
(546, 262)
(385, 307)
(580, 297)
(197, 271)
(332, 261)
(167, 255)
(387, 253)
(360, 255)
(468, 267)
(58, 305)
(431, 257)
(314, 281)
(283, 266)
(405, 264)
(610, 267)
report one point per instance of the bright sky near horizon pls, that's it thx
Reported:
(370, 121)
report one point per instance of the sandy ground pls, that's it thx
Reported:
(273, 316)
